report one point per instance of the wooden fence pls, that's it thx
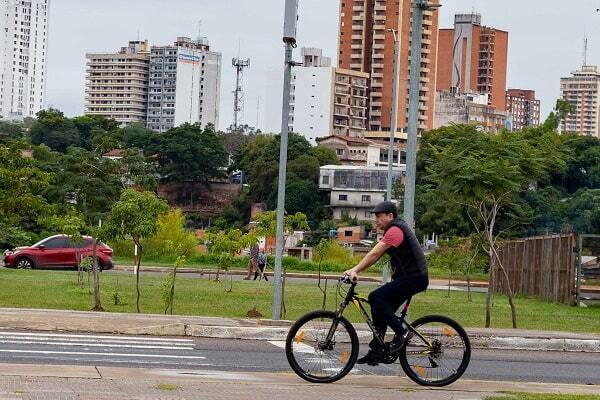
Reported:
(539, 266)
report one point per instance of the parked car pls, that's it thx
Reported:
(58, 251)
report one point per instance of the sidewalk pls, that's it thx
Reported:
(260, 329)
(314, 275)
(19, 382)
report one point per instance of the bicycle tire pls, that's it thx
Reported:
(347, 358)
(450, 329)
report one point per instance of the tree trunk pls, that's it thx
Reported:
(513, 310)
(97, 304)
(137, 275)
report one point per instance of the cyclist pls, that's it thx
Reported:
(409, 277)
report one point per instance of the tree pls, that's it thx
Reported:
(486, 173)
(10, 131)
(192, 155)
(94, 130)
(135, 215)
(562, 108)
(137, 136)
(90, 182)
(137, 170)
(265, 224)
(22, 203)
(325, 155)
(55, 130)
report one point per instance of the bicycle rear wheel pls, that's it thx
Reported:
(311, 357)
(442, 358)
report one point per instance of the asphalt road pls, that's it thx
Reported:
(257, 356)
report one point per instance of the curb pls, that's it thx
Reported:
(280, 334)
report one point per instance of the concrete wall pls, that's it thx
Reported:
(450, 109)
(187, 95)
(312, 102)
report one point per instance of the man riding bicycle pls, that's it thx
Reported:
(409, 277)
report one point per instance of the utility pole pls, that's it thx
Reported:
(413, 107)
(393, 129)
(289, 38)
(394, 122)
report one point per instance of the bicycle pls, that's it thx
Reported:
(322, 346)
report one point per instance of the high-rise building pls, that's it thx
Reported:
(581, 89)
(523, 107)
(184, 84)
(471, 109)
(325, 100)
(473, 59)
(365, 45)
(23, 57)
(116, 84)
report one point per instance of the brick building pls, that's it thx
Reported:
(523, 107)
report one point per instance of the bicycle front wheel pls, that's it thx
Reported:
(314, 358)
(439, 355)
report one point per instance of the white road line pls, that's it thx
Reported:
(298, 347)
(82, 353)
(87, 344)
(74, 340)
(95, 336)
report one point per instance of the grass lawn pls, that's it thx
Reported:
(542, 396)
(58, 290)
(433, 273)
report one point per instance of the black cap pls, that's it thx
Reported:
(386, 207)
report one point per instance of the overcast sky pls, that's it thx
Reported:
(545, 40)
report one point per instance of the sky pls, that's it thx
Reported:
(545, 41)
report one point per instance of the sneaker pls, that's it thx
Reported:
(396, 344)
(373, 357)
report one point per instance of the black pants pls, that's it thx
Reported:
(262, 269)
(386, 300)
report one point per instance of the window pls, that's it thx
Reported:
(348, 233)
(339, 152)
(366, 198)
(56, 243)
(343, 197)
(325, 180)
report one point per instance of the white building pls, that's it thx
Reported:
(355, 190)
(326, 100)
(116, 84)
(582, 90)
(23, 57)
(184, 84)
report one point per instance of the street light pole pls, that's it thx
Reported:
(413, 107)
(394, 122)
(289, 38)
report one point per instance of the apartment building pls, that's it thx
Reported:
(523, 108)
(581, 90)
(472, 109)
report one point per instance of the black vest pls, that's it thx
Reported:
(408, 259)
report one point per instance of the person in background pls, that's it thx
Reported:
(262, 262)
(253, 261)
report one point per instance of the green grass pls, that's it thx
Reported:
(58, 290)
(542, 396)
(167, 387)
(305, 268)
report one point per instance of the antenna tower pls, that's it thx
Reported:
(238, 101)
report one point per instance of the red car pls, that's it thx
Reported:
(58, 252)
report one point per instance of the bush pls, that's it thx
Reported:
(331, 250)
(457, 253)
(171, 240)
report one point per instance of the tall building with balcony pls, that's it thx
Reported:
(23, 57)
(365, 45)
(523, 107)
(355, 190)
(116, 84)
(184, 84)
(473, 59)
(325, 100)
(581, 89)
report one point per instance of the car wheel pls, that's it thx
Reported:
(24, 263)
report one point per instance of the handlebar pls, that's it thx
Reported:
(346, 279)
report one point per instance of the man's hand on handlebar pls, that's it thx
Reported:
(351, 275)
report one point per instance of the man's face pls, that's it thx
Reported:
(382, 220)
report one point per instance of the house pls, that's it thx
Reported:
(363, 151)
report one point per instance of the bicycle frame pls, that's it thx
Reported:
(358, 300)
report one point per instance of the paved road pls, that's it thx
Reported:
(258, 356)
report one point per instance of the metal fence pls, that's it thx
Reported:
(541, 266)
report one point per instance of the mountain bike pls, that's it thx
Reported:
(322, 346)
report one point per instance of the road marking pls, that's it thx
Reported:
(135, 338)
(87, 344)
(81, 353)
